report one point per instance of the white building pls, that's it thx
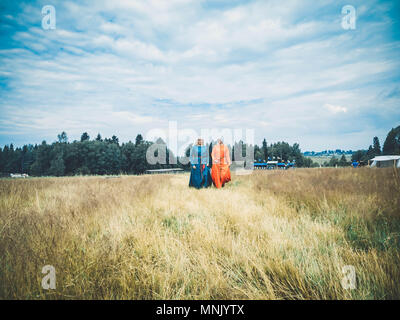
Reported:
(386, 161)
(19, 175)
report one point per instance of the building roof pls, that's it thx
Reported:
(165, 170)
(385, 158)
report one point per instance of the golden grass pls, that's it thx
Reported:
(270, 235)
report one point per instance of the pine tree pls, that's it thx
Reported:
(139, 139)
(57, 166)
(333, 161)
(343, 161)
(85, 137)
(264, 149)
(392, 142)
(376, 147)
(114, 139)
(62, 137)
(370, 153)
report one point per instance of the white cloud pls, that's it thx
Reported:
(263, 65)
(335, 109)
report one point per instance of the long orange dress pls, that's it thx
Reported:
(220, 172)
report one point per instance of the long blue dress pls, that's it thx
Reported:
(200, 177)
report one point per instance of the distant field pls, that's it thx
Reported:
(269, 235)
(322, 159)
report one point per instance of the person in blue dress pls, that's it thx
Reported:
(200, 176)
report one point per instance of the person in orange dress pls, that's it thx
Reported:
(221, 161)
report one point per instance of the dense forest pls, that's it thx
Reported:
(282, 151)
(108, 157)
(98, 157)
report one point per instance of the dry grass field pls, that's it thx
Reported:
(269, 235)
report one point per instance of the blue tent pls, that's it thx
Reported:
(260, 165)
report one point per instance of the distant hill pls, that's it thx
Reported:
(327, 153)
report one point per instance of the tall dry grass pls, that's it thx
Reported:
(270, 235)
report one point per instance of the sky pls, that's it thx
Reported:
(287, 70)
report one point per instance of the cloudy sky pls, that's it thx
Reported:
(286, 69)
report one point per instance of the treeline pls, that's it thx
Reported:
(282, 151)
(391, 146)
(108, 157)
(61, 158)
(361, 156)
